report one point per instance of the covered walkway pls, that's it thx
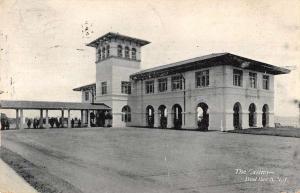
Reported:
(20, 106)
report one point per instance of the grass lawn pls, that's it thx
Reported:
(282, 131)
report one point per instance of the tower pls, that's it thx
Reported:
(117, 57)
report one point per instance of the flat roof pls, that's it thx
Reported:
(15, 104)
(85, 87)
(214, 59)
(110, 35)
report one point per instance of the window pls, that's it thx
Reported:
(120, 51)
(99, 54)
(150, 87)
(107, 50)
(133, 53)
(202, 78)
(126, 87)
(104, 87)
(126, 114)
(266, 82)
(103, 53)
(86, 95)
(126, 52)
(162, 85)
(176, 82)
(253, 79)
(237, 77)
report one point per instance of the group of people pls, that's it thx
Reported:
(4, 124)
(53, 121)
(35, 122)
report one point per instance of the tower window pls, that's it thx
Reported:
(104, 88)
(253, 80)
(103, 53)
(202, 78)
(99, 54)
(133, 53)
(237, 77)
(266, 82)
(120, 51)
(126, 87)
(107, 50)
(126, 52)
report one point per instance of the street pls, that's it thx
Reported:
(129, 160)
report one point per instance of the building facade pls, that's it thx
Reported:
(214, 92)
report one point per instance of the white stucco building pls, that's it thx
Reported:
(219, 91)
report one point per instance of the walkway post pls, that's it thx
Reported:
(21, 119)
(81, 116)
(17, 118)
(88, 118)
(41, 118)
(47, 120)
(69, 120)
(62, 117)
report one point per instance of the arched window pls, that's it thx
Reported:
(126, 114)
(103, 52)
(107, 50)
(252, 115)
(133, 53)
(126, 52)
(120, 51)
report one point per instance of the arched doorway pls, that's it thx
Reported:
(265, 115)
(177, 116)
(150, 116)
(162, 110)
(252, 115)
(237, 116)
(202, 116)
(126, 114)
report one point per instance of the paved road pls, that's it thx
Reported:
(130, 160)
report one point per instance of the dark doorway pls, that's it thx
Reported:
(177, 116)
(252, 115)
(100, 118)
(265, 116)
(162, 110)
(202, 117)
(150, 116)
(237, 116)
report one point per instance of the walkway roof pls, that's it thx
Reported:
(210, 60)
(85, 87)
(11, 104)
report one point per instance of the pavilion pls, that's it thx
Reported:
(20, 106)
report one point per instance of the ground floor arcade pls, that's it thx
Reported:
(201, 117)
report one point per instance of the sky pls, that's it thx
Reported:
(43, 54)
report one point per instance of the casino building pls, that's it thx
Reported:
(220, 91)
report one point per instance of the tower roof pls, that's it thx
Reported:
(118, 36)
